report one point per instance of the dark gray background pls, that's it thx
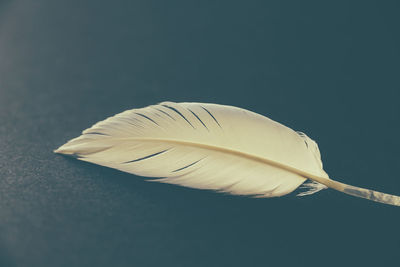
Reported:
(328, 69)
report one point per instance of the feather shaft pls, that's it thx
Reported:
(358, 191)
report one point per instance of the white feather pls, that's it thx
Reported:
(206, 146)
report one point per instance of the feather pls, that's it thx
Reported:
(210, 146)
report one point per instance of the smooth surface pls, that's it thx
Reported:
(330, 70)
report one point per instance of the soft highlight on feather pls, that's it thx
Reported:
(206, 146)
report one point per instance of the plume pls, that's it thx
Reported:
(210, 146)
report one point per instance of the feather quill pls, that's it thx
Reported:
(210, 146)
